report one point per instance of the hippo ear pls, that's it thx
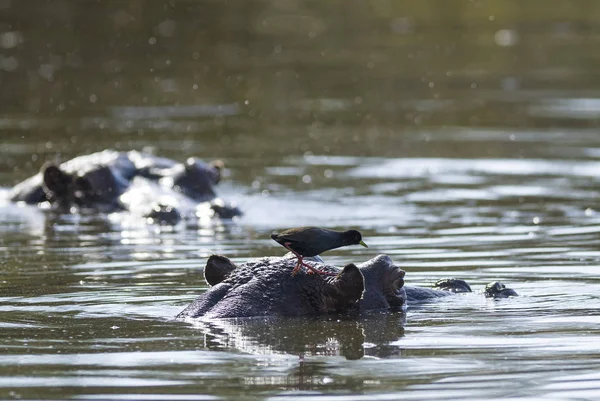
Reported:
(346, 289)
(56, 181)
(218, 167)
(217, 269)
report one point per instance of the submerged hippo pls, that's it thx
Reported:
(266, 287)
(158, 188)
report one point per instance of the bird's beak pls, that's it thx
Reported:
(363, 244)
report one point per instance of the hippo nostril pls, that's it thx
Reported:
(397, 285)
(395, 295)
(398, 273)
(397, 279)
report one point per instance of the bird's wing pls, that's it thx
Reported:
(294, 244)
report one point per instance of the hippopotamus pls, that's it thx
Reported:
(161, 189)
(266, 287)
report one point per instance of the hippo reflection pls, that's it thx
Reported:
(160, 189)
(310, 335)
(266, 287)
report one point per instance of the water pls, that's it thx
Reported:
(458, 137)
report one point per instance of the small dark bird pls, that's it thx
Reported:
(312, 241)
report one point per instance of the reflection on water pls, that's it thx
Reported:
(348, 337)
(458, 136)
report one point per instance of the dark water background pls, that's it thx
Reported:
(459, 136)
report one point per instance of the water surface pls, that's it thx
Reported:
(459, 137)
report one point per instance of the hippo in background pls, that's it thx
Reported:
(159, 189)
(266, 287)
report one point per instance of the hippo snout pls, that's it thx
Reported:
(397, 277)
(384, 284)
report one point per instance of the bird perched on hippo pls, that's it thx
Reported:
(313, 241)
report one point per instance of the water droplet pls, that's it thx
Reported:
(8, 40)
(166, 28)
(506, 37)
(9, 63)
(46, 71)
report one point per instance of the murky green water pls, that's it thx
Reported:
(459, 136)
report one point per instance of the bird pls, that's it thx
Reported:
(312, 241)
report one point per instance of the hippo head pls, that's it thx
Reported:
(99, 187)
(498, 290)
(384, 284)
(197, 179)
(57, 185)
(266, 287)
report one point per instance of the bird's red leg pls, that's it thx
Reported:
(296, 268)
(311, 270)
(300, 263)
